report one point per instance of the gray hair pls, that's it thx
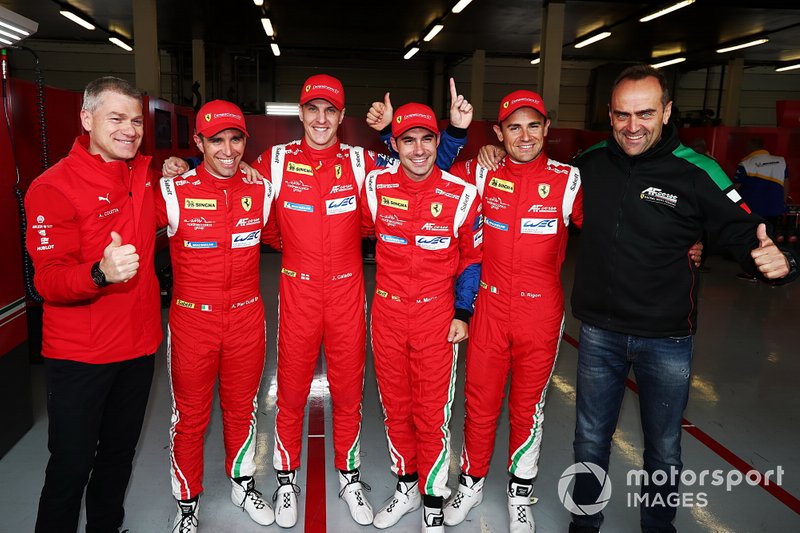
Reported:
(95, 89)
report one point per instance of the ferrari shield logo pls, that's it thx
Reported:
(436, 208)
(544, 189)
(207, 117)
(338, 171)
(247, 202)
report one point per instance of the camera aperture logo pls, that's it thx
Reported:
(566, 498)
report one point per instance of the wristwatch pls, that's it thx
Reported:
(792, 263)
(98, 276)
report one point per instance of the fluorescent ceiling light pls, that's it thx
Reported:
(122, 44)
(666, 10)
(77, 19)
(267, 26)
(744, 45)
(259, 3)
(275, 50)
(459, 7)
(4, 41)
(790, 67)
(433, 33)
(411, 51)
(18, 26)
(281, 109)
(669, 62)
(594, 39)
(536, 61)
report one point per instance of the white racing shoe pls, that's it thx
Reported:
(469, 495)
(285, 499)
(246, 496)
(186, 519)
(351, 491)
(519, 508)
(406, 499)
(432, 520)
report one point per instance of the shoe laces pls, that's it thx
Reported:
(358, 487)
(287, 496)
(456, 503)
(255, 496)
(188, 520)
(522, 516)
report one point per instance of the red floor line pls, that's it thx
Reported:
(315, 517)
(727, 455)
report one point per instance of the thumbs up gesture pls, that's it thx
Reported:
(120, 261)
(769, 260)
(380, 113)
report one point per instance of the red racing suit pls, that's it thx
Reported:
(428, 256)
(519, 312)
(317, 227)
(216, 320)
(72, 209)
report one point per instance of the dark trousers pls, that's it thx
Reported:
(95, 417)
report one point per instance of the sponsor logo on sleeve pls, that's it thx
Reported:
(432, 242)
(539, 226)
(206, 204)
(340, 205)
(246, 239)
(394, 202)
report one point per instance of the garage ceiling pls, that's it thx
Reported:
(507, 28)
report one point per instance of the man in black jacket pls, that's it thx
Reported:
(647, 198)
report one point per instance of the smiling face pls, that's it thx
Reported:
(522, 134)
(416, 149)
(320, 120)
(115, 126)
(638, 115)
(222, 152)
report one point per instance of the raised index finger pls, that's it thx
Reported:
(453, 92)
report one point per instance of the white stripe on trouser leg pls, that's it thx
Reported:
(244, 461)
(177, 478)
(525, 459)
(398, 462)
(436, 484)
(279, 453)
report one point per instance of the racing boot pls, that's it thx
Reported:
(285, 499)
(406, 499)
(433, 515)
(351, 491)
(469, 495)
(245, 495)
(186, 519)
(519, 507)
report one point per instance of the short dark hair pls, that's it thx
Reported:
(640, 72)
(95, 88)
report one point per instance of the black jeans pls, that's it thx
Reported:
(95, 417)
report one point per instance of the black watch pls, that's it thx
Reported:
(792, 263)
(98, 276)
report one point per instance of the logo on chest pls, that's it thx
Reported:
(205, 204)
(298, 168)
(539, 226)
(340, 205)
(397, 203)
(544, 190)
(503, 185)
(657, 196)
(432, 242)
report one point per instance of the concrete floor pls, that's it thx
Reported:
(744, 398)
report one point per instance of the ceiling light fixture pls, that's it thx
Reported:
(536, 61)
(119, 42)
(789, 67)
(593, 39)
(259, 3)
(281, 109)
(666, 10)
(77, 19)
(18, 26)
(743, 45)
(434, 31)
(669, 62)
(275, 50)
(270, 31)
(411, 51)
(459, 7)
